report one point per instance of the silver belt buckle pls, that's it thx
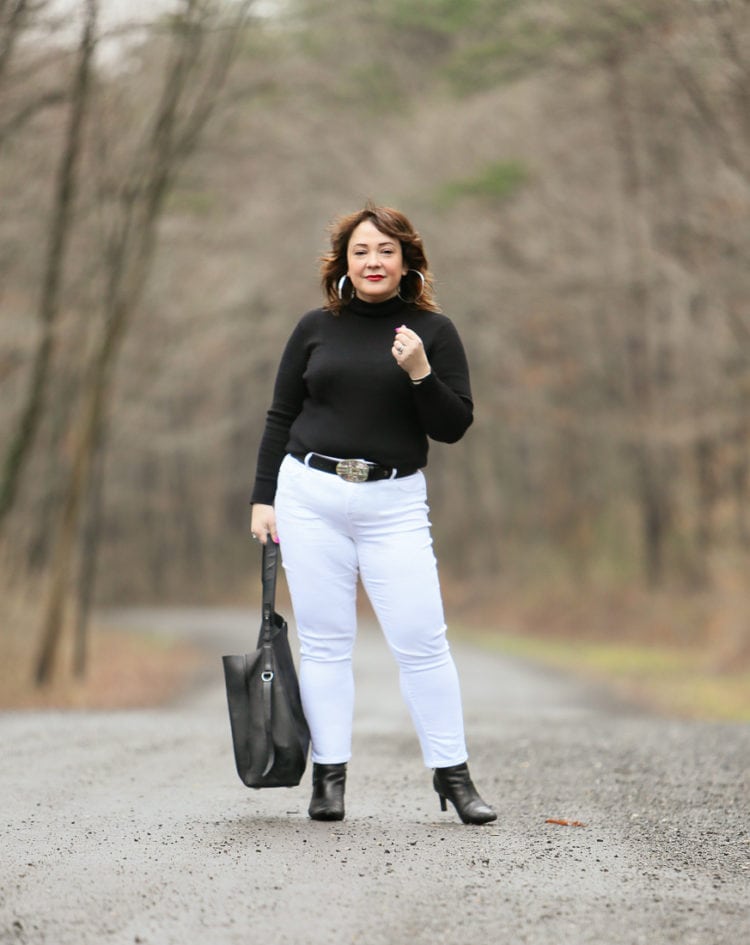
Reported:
(353, 470)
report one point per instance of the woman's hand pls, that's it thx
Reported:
(409, 353)
(263, 523)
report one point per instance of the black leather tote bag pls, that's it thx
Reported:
(269, 731)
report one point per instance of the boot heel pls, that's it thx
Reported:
(454, 784)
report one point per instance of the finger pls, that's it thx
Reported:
(408, 346)
(407, 334)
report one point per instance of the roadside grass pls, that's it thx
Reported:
(680, 651)
(672, 681)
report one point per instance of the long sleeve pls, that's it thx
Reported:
(288, 397)
(443, 399)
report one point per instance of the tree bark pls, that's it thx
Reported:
(89, 550)
(22, 441)
(651, 488)
(740, 480)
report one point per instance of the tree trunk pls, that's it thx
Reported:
(655, 513)
(12, 16)
(22, 441)
(708, 494)
(651, 487)
(89, 549)
(130, 258)
(740, 474)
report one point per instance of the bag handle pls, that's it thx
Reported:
(269, 568)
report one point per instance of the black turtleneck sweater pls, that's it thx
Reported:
(340, 392)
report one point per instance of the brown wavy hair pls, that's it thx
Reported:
(394, 224)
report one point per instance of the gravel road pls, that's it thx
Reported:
(132, 827)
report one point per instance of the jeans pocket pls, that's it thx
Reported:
(411, 485)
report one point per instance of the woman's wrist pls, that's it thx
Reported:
(416, 381)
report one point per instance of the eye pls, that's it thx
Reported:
(387, 252)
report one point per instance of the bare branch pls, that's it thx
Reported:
(12, 16)
(223, 59)
(710, 117)
(62, 215)
(29, 111)
(725, 24)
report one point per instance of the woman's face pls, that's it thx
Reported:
(375, 263)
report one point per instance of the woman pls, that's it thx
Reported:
(362, 384)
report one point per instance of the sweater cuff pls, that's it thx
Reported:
(263, 494)
(424, 382)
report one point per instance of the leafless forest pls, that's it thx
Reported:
(580, 173)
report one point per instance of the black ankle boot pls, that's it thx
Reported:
(328, 792)
(455, 784)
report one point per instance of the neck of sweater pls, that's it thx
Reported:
(375, 309)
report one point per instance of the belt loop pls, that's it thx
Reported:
(307, 459)
(394, 473)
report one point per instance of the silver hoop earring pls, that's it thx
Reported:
(340, 287)
(421, 288)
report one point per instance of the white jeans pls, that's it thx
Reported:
(330, 532)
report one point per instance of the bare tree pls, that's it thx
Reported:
(61, 225)
(17, 18)
(129, 257)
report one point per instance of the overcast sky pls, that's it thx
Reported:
(114, 12)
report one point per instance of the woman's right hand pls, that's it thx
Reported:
(263, 523)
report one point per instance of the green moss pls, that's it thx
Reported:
(439, 16)
(496, 181)
(191, 203)
(486, 63)
(370, 87)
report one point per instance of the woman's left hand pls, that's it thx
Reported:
(409, 353)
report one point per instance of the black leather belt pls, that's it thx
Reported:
(354, 470)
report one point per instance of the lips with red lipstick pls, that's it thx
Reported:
(374, 278)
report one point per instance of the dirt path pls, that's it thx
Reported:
(132, 827)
